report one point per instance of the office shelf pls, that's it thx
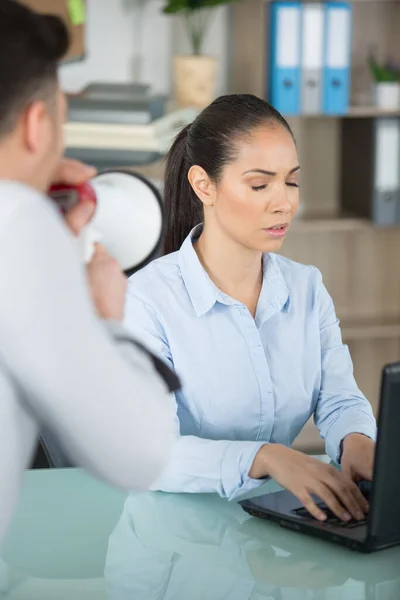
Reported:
(371, 111)
(358, 112)
(369, 329)
(318, 223)
(376, 25)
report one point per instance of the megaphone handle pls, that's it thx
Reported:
(87, 239)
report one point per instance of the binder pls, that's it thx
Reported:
(386, 196)
(370, 182)
(312, 55)
(337, 52)
(285, 57)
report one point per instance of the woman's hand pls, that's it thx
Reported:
(358, 457)
(304, 475)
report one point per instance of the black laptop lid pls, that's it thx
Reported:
(384, 523)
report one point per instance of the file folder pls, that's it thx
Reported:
(338, 26)
(312, 55)
(285, 57)
(386, 195)
(370, 157)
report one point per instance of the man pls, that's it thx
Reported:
(60, 365)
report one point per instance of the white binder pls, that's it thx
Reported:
(312, 56)
(386, 197)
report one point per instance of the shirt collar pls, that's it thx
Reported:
(204, 293)
(274, 296)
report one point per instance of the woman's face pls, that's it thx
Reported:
(258, 194)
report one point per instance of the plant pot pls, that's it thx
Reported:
(194, 79)
(387, 95)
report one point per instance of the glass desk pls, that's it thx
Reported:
(75, 538)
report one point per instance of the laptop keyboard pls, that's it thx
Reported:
(332, 519)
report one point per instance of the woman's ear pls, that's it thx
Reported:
(202, 185)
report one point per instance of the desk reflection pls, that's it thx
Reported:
(169, 547)
(180, 547)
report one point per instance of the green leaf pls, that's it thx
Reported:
(382, 74)
(176, 6)
(197, 17)
(76, 9)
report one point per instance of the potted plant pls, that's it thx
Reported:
(387, 84)
(194, 75)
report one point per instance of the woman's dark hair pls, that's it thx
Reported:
(31, 46)
(210, 143)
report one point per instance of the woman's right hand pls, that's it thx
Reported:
(304, 475)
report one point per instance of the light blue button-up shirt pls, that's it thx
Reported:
(245, 381)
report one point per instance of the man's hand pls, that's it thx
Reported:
(73, 172)
(107, 285)
(358, 457)
(106, 281)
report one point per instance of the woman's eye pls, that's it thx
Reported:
(257, 188)
(292, 184)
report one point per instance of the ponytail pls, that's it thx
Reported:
(183, 209)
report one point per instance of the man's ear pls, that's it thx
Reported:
(36, 126)
(202, 185)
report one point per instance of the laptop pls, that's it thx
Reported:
(381, 528)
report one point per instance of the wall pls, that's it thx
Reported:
(114, 39)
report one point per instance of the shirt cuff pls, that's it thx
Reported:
(349, 423)
(237, 462)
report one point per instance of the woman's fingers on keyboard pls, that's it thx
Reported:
(359, 497)
(311, 506)
(333, 502)
(348, 494)
(362, 500)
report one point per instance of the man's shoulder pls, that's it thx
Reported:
(19, 190)
(15, 196)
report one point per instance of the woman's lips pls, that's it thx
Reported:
(277, 231)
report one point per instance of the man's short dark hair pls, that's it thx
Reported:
(31, 46)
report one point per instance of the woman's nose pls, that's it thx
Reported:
(281, 202)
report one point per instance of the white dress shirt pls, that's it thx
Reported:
(59, 366)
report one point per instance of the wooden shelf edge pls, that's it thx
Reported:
(371, 111)
(326, 224)
(370, 329)
(358, 112)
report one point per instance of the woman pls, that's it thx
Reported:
(253, 335)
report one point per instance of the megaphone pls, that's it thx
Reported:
(128, 219)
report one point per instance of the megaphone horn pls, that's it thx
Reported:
(129, 215)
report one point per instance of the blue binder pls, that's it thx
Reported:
(337, 52)
(284, 77)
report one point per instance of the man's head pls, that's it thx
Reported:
(32, 107)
